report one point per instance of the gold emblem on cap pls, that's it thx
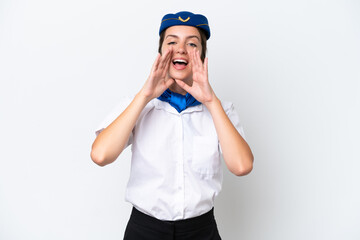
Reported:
(183, 19)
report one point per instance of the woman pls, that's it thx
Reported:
(177, 127)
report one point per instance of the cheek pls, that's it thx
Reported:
(197, 48)
(164, 47)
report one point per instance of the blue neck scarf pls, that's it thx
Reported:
(178, 101)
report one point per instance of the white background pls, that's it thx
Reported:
(290, 67)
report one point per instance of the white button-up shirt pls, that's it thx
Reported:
(176, 166)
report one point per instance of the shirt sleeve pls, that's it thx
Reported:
(122, 105)
(234, 118)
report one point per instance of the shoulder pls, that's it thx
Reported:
(121, 104)
(124, 102)
(227, 106)
(118, 108)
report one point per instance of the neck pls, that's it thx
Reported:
(177, 89)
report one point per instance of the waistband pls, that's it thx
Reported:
(184, 225)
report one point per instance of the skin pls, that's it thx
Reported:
(180, 42)
(183, 41)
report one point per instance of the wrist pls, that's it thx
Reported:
(143, 97)
(212, 103)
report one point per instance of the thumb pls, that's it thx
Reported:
(169, 82)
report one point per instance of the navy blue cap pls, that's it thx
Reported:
(187, 19)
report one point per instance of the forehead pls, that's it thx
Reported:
(182, 31)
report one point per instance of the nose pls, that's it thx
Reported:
(181, 49)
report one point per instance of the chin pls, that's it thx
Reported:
(183, 76)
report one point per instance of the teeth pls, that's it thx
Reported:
(179, 61)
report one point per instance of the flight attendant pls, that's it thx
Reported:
(178, 129)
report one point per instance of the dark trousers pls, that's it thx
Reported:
(144, 227)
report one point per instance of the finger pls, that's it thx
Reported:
(165, 59)
(161, 60)
(167, 64)
(156, 63)
(206, 65)
(198, 59)
(169, 82)
(193, 60)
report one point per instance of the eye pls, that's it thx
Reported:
(192, 44)
(171, 43)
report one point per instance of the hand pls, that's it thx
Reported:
(200, 88)
(159, 79)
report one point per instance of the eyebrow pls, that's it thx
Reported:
(175, 36)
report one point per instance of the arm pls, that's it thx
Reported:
(112, 140)
(109, 144)
(236, 152)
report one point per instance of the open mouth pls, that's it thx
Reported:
(180, 64)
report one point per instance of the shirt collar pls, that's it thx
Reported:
(167, 107)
